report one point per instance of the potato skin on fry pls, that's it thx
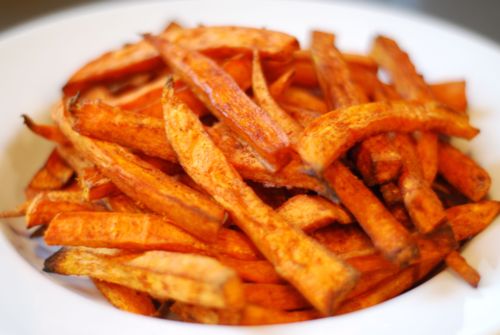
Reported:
(320, 276)
(332, 134)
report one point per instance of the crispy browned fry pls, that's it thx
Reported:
(249, 167)
(266, 102)
(333, 73)
(348, 240)
(46, 205)
(470, 219)
(53, 175)
(123, 204)
(309, 213)
(387, 234)
(451, 93)
(49, 132)
(319, 275)
(276, 296)
(390, 287)
(422, 204)
(250, 315)
(458, 264)
(104, 122)
(191, 210)
(228, 102)
(410, 85)
(282, 83)
(377, 160)
(329, 136)
(163, 275)
(301, 98)
(256, 271)
(125, 298)
(94, 185)
(463, 173)
(239, 68)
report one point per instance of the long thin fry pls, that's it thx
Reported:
(332, 134)
(228, 102)
(320, 276)
(458, 263)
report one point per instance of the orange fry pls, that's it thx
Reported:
(125, 298)
(332, 134)
(256, 271)
(458, 264)
(423, 205)
(321, 277)
(104, 122)
(228, 102)
(470, 219)
(333, 73)
(463, 173)
(387, 234)
(452, 93)
(159, 192)
(301, 98)
(276, 296)
(282, 83)
(378, 160)
(309, 213)
(266, 102)
(163, 275)
(49, 132)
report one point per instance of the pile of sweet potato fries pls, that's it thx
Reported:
(224, 175)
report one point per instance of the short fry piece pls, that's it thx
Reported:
(125, 298)
(222, 95)
(387, 234)
(164, 275)
(332, 134)
(276, 296)
(458, 264)
(309, 213)
(463, 172)
(320, 276)
(470, 219)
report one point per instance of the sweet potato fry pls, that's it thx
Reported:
(333, 73)
(457, 263)
(239, 68)
(257, 271)
(48, 132)
(309, 213)
(282, 83)
(320, 276)
(94, 184)
(389, 288)
(122, 204)
(387, 234)
(266, 102)
(46, 205)
(125, 298)
(391, 194)
(329, 136)
(422, 204)
(378, 160)
(163, 275)
(463, 173)
(452, 93)
(53, 175)
(303, 99)
(303, 116)
(470, 219)
(186, 207)
(250, 315)
(249, 167)
(228, 102)
(101, 121)
(410, 85)
(370, 280)
(276, 296)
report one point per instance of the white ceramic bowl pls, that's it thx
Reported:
(37, 58)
